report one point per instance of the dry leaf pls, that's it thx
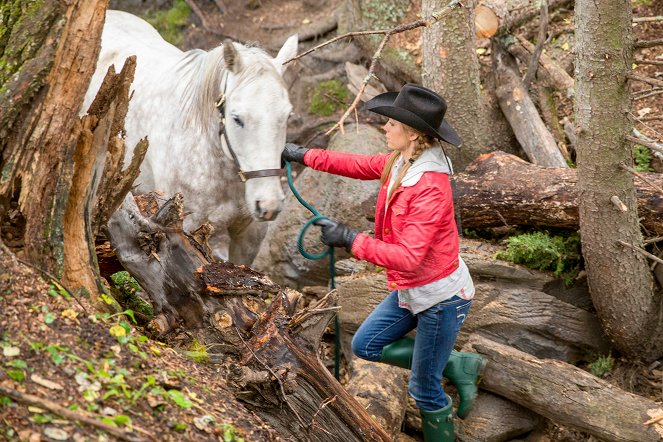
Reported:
(45, 382)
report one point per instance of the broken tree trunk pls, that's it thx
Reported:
(512, 13)
(270, 349)
(499, 189)
(516, 104)
(566, 394)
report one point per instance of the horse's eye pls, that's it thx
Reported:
(238, 121)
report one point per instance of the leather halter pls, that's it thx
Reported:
(244, 176)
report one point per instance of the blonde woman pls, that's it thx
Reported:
(416, 240)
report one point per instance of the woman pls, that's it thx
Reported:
(416, 240)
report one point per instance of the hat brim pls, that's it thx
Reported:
(383, 104)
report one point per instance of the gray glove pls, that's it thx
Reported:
(335, 234)
(293, 152)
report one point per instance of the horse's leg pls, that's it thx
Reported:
(219, 242)
(245, 241)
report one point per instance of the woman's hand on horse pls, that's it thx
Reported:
(293, 152)
(335, 234)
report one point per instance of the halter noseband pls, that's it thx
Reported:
(244, 176)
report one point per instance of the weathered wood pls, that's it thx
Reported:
(495, 419)
(270, 348)
(515, 102)
(514, 13)
(523, 49)
(44, 157)
(382, 390)
(499, 189)
(566, 394)
(534, 322)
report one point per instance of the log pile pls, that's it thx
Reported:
(270, 348)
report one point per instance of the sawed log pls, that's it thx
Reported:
(518, 108)
(269, 348)
(499, 189)
(566, 394)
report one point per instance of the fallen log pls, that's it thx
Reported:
(382, 390)
(566, 394)
(499, 189)
(495, 419)
(269, 348)
(511, 14)
(516, 104)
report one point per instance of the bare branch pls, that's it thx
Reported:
(642, 251)
(643, 61)
(647, 19)
(652, 81)
(646, 142)
(541, 40)
(642, 177)
(428, 21)
(648, 43)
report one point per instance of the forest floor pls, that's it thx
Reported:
(63, 363)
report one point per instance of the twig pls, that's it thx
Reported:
(642, 177)
(278, 380)
(648, 43)
(655, 419)
(428, 21)
(320, 408)
(647, 19)
(68, 414)
(653, 240)
(648, 143)
(643, 61)
(652, 81)
(54, 279)
(642, 251)
(541, 40)
(647, 93)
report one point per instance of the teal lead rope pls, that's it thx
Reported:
(305, 254)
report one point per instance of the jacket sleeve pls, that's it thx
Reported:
(363, 167)
(429, 214)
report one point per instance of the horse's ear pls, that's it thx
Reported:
(230, 56)
(288, 51)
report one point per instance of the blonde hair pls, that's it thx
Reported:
(423, 142)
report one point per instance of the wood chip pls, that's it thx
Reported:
(45, 382)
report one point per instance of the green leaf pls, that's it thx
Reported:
(41, 418)
(180, 399)
(122, 419)
(16, 375)
(179, 426)
(49, 317)
(18, 363)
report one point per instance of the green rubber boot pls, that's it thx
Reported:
(399, 353)
(438, 425)
(462, 370)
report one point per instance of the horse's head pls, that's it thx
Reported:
(255, 113)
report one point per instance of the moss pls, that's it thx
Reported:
(328, 97)
(127, 290)
(541, 251)
(602, 366)
(642, 158)
(197, 352)
(170, 22)
(384, 13)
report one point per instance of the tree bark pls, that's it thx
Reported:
(39, 122)
(566, 394)
(515, 102)
(270, 349)
(619, 278)
(535, 196)
(451, 67)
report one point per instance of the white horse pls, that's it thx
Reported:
(213, 119)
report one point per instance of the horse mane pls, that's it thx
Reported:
(202, 74)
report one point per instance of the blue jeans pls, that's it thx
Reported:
(437, 329)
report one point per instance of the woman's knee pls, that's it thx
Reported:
(361, 349)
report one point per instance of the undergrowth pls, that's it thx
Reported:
(328, 97)
(559, 254)
(170, 22)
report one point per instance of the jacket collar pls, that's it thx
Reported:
(431, 160)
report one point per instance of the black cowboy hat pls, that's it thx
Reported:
(419, 108)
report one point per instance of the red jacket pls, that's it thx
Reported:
(416, 238)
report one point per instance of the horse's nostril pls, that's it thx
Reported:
(265, 213)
